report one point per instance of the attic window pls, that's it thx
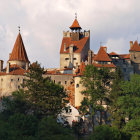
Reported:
(74, 58)
(66, 58)
(11, 80)
(102, 62)
(1, 80)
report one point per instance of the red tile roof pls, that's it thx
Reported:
(19, 52)
(113, 53)
(105, 65)
(75, 25)
(102, 55)
(78, 45)
(14, 70)
(127, 56)
(123, 56)
(135, 47)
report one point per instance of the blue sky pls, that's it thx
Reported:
(113, 22)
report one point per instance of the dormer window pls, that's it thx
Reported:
(64, 46)
(66, 58)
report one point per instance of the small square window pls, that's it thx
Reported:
(77, 85)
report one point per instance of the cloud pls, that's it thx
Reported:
(42, 23)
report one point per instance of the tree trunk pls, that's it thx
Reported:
(93, 123)
(101, 115)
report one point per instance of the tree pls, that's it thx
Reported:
(127, 102)
(132, 128)
(31, 114)
(96, 82)
(44, 97)
(104, 132)
(113, 96)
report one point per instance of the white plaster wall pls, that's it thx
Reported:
(78, 96)
(64, 79)
(10, 83)
(64, 62)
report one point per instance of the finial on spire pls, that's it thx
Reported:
(19, 28)
(75, 15)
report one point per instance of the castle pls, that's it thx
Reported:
(75, 54)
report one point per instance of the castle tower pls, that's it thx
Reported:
(75, 46)
(19, 56)
(135, 56)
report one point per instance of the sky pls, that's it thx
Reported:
(112, 23)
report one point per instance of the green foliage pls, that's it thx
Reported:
(105, 132)
(15, 104)
(31, 114)
(44, 97)
(49, 130)
(125, 101)
(133, 128)
(96, 82)
(18, 126)
(28, 127)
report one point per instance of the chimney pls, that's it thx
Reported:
(71, 48)
(90, 57)
(105, 48)
(1, 65)
(131, 44)
(64, 46)
(8, 67)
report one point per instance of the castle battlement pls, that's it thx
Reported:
(69, 33)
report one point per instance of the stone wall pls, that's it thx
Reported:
(65, 60)
(10, 83)
(135, 61)
(84, 53)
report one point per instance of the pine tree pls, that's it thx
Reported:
(45, 97)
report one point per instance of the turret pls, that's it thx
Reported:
(19, 55)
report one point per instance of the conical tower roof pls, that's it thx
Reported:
(19, 52)
(75, 25)
(135, 47)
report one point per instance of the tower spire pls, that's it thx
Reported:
(75, 25)
(19, 28)
(75, 15)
